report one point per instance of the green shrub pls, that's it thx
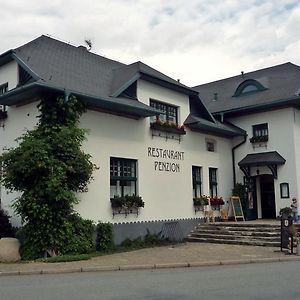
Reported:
(104, 237)
(285, 210)
(6, 229)
(150, 239)
(77, 237)
(80, 236)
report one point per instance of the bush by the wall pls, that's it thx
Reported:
(6, 229)
(80, 235)
(104, 237)
(78, 238)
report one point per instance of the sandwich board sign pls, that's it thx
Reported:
(236, 207)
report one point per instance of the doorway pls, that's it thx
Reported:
(268, 209)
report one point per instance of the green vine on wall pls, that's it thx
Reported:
(48, 168)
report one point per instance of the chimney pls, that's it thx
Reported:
(215, 98)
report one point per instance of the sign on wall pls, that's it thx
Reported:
(162, 155)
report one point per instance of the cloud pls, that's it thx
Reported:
(196, 41)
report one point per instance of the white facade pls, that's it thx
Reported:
(283, 137)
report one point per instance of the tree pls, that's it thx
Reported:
(48, 168)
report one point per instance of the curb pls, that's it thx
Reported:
(151, 267)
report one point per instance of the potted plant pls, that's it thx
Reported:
(216, 202)
(167, 126)
(285, 211)
(258, 139)
(200, 201)
(126, 204)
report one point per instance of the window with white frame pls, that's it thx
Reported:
(123, 177)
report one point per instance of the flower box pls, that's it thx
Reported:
(200, 201)
(166, 127)
(259, 139)
(216, 201)
(126, 205)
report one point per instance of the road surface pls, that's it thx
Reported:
(236, 282)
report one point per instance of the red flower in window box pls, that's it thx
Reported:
(216, 201)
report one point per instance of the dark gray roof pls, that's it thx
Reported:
(75, 68)
(281, 82)
(225, 129)
(60, 66)
(262, 159)
(68, 67)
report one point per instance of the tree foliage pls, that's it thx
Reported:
(48, 168)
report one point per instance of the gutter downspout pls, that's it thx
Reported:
(233, 157)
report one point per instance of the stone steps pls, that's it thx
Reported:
(254, 234)
(235, 242)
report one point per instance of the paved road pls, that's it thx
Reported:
(240, 282)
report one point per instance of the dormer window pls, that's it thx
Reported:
(248, 87)
(168, 113)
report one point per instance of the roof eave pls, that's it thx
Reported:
(292, 101)
(37, 89)
(213, 130)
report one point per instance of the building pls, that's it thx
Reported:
(135, 152)
(264, 103)
(203, 150)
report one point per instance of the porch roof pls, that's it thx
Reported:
(269, 159)
(262, 159)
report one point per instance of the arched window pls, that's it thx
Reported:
(247, 87)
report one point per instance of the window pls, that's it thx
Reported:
(260, 130)
(250, 88)
(3, 88)
(122, 177)
(168, 113)
(247, 87)
(197, 182)
(284, 190)
(213, 183)
(210, 145)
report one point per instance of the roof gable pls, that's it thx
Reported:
(124, 76)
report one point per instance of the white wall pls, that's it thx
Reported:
(9, 73)
(281, 139)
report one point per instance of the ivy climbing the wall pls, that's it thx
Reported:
(48, 168)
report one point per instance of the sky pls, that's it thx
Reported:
(196, 41)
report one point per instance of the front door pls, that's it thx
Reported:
(268, 210)
(250, 201)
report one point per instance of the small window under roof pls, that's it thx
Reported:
(248, 87)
